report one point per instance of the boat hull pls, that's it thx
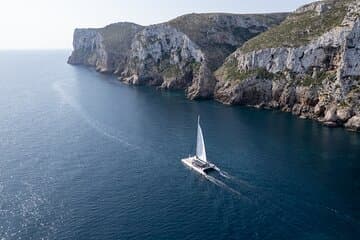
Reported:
(189, 162)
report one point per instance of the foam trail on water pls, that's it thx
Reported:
(100, 128)
(224, 186)
(233, 179)
(224, 174)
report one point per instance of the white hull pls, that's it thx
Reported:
(199, 162)
(189, 162)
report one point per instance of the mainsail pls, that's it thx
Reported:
(200, 145)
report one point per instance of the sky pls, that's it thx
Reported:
(46, 24)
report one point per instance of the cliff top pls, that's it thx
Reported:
(118, 35)
(219, 34)
(305, 24)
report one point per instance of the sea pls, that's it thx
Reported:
(84, 156)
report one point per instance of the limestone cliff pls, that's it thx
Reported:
(106, 49)
(308, 65)
(220, 34)
(180, 54)
(163, 56)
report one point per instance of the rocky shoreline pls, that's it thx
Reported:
(317, 78)
(306, 63)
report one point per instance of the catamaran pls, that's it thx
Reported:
(199, 162)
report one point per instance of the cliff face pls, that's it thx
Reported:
(180, 54)
(219, 34)
(308, 65)
(163, 56)
(106, 49)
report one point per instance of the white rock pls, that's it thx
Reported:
(353, 123)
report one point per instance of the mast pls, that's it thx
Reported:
(200, 144)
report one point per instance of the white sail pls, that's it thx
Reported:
(200, 144)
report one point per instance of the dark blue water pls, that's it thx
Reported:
(83, 156)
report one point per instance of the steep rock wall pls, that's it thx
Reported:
(318, 78)
(179, 54)
(107, 49)
(163, 56)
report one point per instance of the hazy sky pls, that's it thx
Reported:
(30, 24)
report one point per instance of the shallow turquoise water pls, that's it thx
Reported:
(83, 156)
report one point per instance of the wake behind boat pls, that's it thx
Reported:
(199, 162)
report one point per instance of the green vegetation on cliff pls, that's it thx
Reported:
(171, 71)
(300, 28)
(117, 37)
(220, 34)
(317, 79)
(230, 72)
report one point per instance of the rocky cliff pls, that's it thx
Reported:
(163, 56)
(308, 65)
(179, 54)
(219, 34)
(106, 49)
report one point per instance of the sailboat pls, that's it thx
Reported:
(199, 162)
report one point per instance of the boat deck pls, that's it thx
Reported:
(198, 165)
